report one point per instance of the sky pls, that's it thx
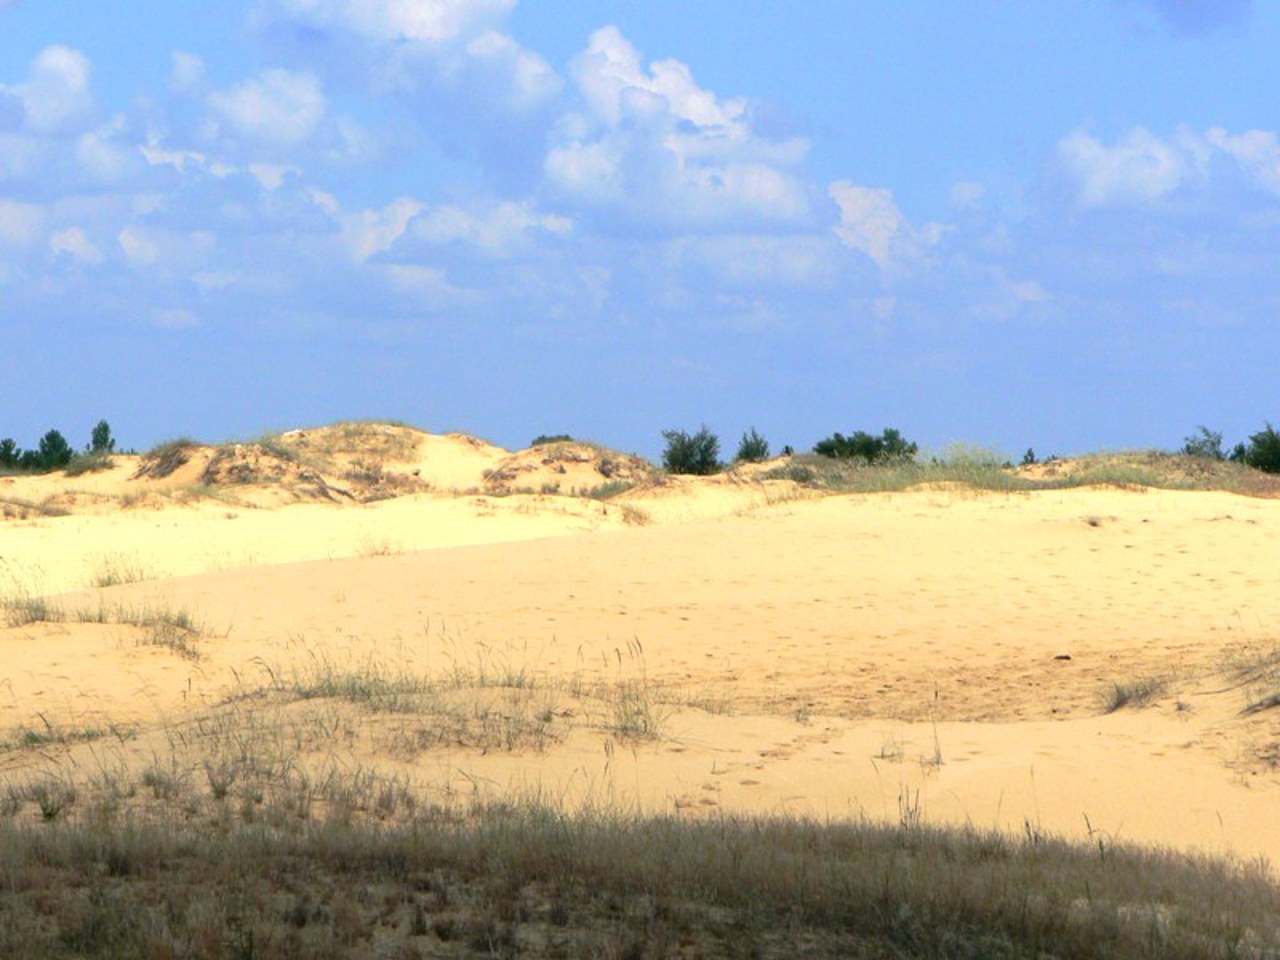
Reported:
(1049, 225)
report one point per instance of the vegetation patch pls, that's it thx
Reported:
(532, 881)
(1134, 693)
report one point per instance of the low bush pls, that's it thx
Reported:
(890, 445)
(698, 455)
(753, 448)
(1263, 450)
(1204, 443)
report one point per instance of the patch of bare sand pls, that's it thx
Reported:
(932, 654)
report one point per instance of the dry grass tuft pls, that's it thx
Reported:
(1135, 693)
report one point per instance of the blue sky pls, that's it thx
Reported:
(1051, 225)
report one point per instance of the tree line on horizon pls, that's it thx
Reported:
(699, 453)
(54, 452)
(685, 453)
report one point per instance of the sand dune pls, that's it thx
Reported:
(752, 647)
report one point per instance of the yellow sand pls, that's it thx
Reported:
(941, 654)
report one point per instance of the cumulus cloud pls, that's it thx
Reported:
(611, 70)
(75, 243)
(1256, 151)
(445, 67)
(371, 232)
(424, 48)
(871, 222)
(56, 97)
(1142, 169)
(653, 147)
(275, 106)
(388, 21)
(497, 231)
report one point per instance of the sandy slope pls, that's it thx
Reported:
(888, 655)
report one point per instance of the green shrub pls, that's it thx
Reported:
(1204, 443)
(101, 440)
(890, 445)
(753, 448)
(543, 439)
(54, 451)
(698, 454)
(1263, 450)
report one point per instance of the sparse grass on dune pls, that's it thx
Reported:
(112, 569)
(843, 476)
(162, 626)
(529, 880)
(488, 700)
(22, 608)
(20, 508)
(1134, 470)
(1135, 693)
(1257, 669)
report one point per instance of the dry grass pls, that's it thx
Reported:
(21, 608)
(172, 628)
(19, 508)
(112, 569)
(528, 880)
(984, 471)
(1257, 670)
(1134, 693)
(244, 831)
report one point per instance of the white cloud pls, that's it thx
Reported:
(1256, 151)
(75, 243)
(523, 78)
(371, 232)
(610, 70)
(1140, 168)
(388, 21)
(20, 223)
(56, 97)
(104, 153)
(870, 221)
(138, 246)
(652, 146)
(276, 106)
(497, 231)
